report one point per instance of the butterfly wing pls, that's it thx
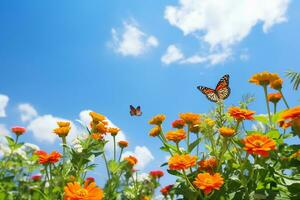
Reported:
(138, 111)
(209, 93)
(222, 88)
(132, 110)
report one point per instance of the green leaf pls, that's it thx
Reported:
(273, 134)
(261, 118)
(194, 144)
(164, 164)
(113, 166)
(10, 141)
(174, 172)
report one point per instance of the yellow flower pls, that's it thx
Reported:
(226, 132)
(176, 135)
(209, 122)
(263, 78)
(62, 131)
(181, 162)
(157, 120)
(190, 118)
(276, 84)
(97, 117)
(63, 124)
(155, 131)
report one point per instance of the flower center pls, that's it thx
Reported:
(258, 143)
(82, 192)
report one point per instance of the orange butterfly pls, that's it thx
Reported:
(135, 111)
(221, 92)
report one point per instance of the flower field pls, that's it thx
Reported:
(217, 155)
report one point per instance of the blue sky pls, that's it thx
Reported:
(61, 58)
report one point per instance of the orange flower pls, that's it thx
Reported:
(181, 162)
(208, 182)
(123, 144)
(178, 123)
(97, 117)
(259, 144)
(145, 198)
(176, 135)
(286, 118)
(157, 120)
(18, 130)
(62, 131)
(263, 78)
(155, 131)
(208, 165)
(113, 131)
(276, 84)
(131, 160)
(45, 158)
(97, 136)
(101, 128)
(274, 97)
(240, 114)
(63, 124)
(74, 191)
(166, 190)
(226, 132)
(190, 118)
(156, 173)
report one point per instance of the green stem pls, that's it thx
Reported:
(106, 164)
(198, 145)
(121, 154)
(267, 102)
(275, 106)
(178, 149)
(284, 100)
(114, 138)
(188, 138)
(188, 181)
(64, 141)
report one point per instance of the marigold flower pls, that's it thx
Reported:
(101, 128)
(190, 118)
(166, 190)
(89, 179)
(287, 117)
(97, 117)
(181, 162)
(155, 131)
(156, 173)
(63, 124)
(18, 130)
(195, 128)
(176, 135)
(240, 114)
(157, 120)
(178, 123)
(209, 122)
(274, 97)
(226, 132)
(123, 144)
(97, 136)
(208, 165)
(113, 131)
(276, 84)
(263, 78)
(259, 144)
(62, 131)
(45, 158)
(36, 177)
(74, 191)
(208, 182)
(131, 160)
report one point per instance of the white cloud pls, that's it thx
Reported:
(27, 112)
(173, 54)
(143, 154)
(3, 103)
(132, 41)
(223, 24)
(3, 130)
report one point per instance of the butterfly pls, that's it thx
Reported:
(221, 92)
(135, 111)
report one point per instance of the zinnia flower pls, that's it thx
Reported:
(178, 123)
(209, 122)
(226, 132)
(276, 84)
(63, 124)
(176, 135)
(90, 179)
(97, 117)
(36, 177)
(274, 97)
(123, 144)
(208, 182)
(62, 131)
(240, 114)
(157, 120)
(74, 191)
(155, 131)
(113, 131)
(208, 165)
(131, 160)
(263, 78)
(286, 118)
(18, 130)
(156, 173)
(101, 128)
(296, 126)
(181, 162)
(97, 136)
(190, 118)
(259, 144)
(166, 190)
(45, 158)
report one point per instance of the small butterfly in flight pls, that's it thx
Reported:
(221, 92)
(135, 111)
